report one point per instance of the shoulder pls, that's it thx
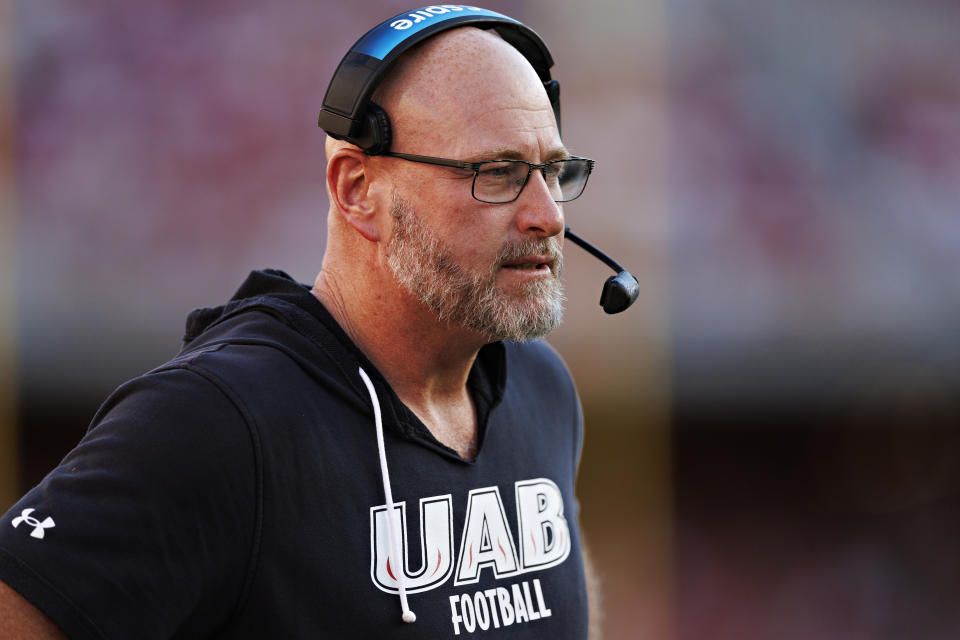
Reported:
(174, 416)
(260, 356)
(165, 480)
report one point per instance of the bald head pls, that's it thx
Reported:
(456, 80)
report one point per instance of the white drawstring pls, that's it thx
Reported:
(408, 616)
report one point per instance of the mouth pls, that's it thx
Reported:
(530, 263)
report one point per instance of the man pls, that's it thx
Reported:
(235, 491)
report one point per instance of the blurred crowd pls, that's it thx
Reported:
(815, 181)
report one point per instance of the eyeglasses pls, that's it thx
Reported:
(501, 181)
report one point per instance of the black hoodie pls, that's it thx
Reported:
(236, 492)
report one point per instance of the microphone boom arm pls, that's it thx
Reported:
(619, 291)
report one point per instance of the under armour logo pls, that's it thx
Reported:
(38, 527)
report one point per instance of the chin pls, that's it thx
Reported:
(521, 320)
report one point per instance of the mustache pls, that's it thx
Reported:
(551, 247)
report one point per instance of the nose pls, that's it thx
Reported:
(538, 213)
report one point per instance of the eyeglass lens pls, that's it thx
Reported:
(504, 180)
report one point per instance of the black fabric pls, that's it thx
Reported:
(235, 492)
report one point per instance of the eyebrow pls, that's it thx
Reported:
(512, 153)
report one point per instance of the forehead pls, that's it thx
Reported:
(465, 91)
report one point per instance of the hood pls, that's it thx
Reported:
(272, 309)
(264, 289)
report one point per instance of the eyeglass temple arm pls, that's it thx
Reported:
(619, 291)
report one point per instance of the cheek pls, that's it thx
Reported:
(479, 245)
(471, 234)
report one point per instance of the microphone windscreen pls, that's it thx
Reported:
(619, 292)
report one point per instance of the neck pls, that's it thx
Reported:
(425, 360)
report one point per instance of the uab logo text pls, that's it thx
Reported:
(542, 538)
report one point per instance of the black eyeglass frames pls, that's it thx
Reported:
(502, 181)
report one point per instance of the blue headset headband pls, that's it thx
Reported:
(348, 114)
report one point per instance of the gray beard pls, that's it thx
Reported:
(424, 267)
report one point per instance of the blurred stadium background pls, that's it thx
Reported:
(772, 446)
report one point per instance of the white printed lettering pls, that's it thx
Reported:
(469, 621)
(534, 614)
(506, 609)
(455, 615)
(519, 606)
(546, 613)
(402, 24)
(480, 607)
(436, 546)
(487, 540)
(491, 595)
(544, 533)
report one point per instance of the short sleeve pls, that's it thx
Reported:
(145, 529)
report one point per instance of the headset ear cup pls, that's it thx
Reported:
(553, 93)
(375, 137)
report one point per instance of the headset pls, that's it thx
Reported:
(349, 114)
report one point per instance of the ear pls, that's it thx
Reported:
(349, 183)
